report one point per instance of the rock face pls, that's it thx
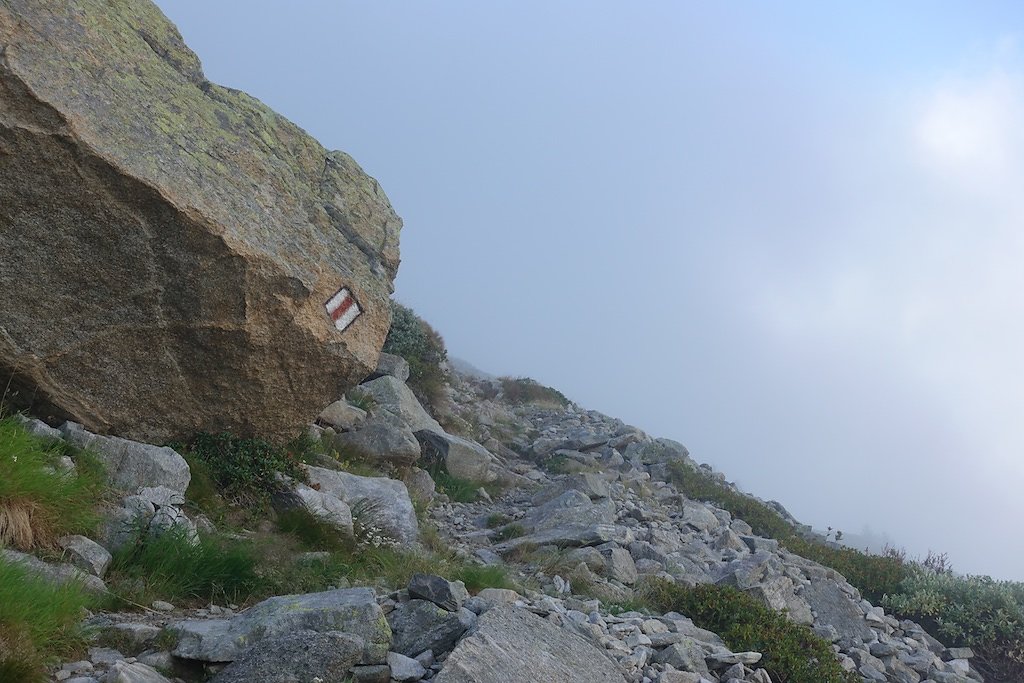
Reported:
(177, 257)
(511, 645)
(353, 611)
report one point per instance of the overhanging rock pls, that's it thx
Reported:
(176, 256)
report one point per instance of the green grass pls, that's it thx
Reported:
(175, 568)
(39, 621)
(38, 501)
(312, 532)
(792, 653)
(497, 519)
(459, 490)
(422, 347)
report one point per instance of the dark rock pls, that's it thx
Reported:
(447, 594)
(420, 625)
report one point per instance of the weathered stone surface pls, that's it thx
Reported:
(420, 625)
(185, 236)
(298, 656)
(447, 594)
(462, 458)
(390, 364)
(130, 464)
(510, 645)
(342, 415)
(405, 668)
(393, 397)
(686, 654)
(380, 439)
(382, 502)
(327, 507)
(86, 554)
(353, 611)
(831, 606)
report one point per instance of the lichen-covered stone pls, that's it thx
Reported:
(170, 244)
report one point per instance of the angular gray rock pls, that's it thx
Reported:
(301, 655)
(405, 668)
(381, 502)
(420, 625)
(342, 415)
(392, 396)
(462, 458)
(327, 507)
(831, 606)
(183, 270)
(380, 439)
(353, 611)
(449, 595)
(511, 645)
(130, 464)
(56, 573)
(390, 364)
(86, 554)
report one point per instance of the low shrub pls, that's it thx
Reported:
(39, 502)
(38, 621)
(520, 390)
(422, 347)
(968, 611)
(175, 567)
(244, 470)
(792, 653)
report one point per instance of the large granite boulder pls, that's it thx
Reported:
(177, 256)
(511, 645)
(352, 611)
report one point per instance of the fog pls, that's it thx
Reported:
(789, 237)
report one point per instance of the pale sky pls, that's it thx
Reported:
(788, 235)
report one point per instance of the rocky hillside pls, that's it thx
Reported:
(580, 559)
(189, 279)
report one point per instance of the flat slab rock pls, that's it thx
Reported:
(511, 645)
(352, 611)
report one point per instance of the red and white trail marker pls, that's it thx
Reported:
(343, 309)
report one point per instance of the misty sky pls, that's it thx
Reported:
(788, 235)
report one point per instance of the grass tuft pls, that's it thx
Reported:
(40, 502)
(175, 567)
(38, 621)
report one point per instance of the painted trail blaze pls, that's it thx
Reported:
(343, 309)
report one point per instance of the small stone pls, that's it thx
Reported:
(161, 606)
(405, 668)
